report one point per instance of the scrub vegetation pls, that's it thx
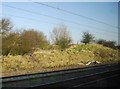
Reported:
(29, 51)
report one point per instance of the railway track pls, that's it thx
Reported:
(103, 75)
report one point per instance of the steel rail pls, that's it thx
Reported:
(73, 77)
(94, 81)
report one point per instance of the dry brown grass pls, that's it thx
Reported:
(47, 60)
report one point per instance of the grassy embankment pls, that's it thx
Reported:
(47, 60)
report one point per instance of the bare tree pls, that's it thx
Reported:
(5, 26)
(61, 36)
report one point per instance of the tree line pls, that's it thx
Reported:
(20, 43)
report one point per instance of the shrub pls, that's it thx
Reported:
(10, 44)
(87, 38)
(110, 44)
(23, 43)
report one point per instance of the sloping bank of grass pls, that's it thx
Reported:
(47, 60)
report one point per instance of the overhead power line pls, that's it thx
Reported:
(66, 11)
(56, 18)
(32, 19)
